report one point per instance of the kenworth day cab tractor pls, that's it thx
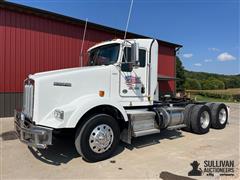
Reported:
(114, 98)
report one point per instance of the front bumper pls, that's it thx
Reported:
(30, 134)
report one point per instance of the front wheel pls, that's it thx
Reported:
(98, 138)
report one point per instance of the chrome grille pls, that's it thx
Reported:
(28, 100)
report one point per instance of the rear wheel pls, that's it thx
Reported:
(200, 119)
(219, 116)
(98, 138)
(187, 118)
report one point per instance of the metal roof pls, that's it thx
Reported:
(51, 15)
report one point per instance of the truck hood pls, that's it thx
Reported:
(54, 89)
(60, 72)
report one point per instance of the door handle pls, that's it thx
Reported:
(142, 89)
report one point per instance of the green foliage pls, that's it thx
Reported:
(215, 95)
(212, 83)
(225, 94)
(210, 99)
(189, 80)
(236, 97)
(230, 97)
(180, 74)
(233, 82)
(192, 84)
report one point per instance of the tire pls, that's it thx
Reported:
(97, 128)
(210, 105)
(187, 118)
(219, 116)
(200, 119)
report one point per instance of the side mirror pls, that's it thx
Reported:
(126, 67)
(135, 54)
(133, 60)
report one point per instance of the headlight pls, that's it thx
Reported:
(28, 98)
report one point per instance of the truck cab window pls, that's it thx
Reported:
(104, 55)
(127, 56)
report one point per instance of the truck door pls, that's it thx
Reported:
(134, 84)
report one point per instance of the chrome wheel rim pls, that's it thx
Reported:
(222, 116)
(101, 138)
(204, 119)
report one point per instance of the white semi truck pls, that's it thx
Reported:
(114, 98)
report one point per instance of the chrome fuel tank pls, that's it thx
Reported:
(171, 116)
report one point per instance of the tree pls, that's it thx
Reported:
(192, 84)
(180, 74)
(230, 81)
(234, 82)
(213, 83)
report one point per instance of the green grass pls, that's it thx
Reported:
(209, 99)
(220, 95)
(230, 91)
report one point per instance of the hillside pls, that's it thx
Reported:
(207, 80)
(205, 75)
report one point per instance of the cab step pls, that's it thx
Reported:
(145, 132)
(176, 127)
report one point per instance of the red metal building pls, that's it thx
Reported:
(34, 40)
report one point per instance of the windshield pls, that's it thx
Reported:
(104, 55)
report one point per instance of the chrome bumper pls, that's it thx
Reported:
(30, 134)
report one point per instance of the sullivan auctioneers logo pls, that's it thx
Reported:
(212, 167)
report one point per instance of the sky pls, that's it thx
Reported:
(208, 29)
